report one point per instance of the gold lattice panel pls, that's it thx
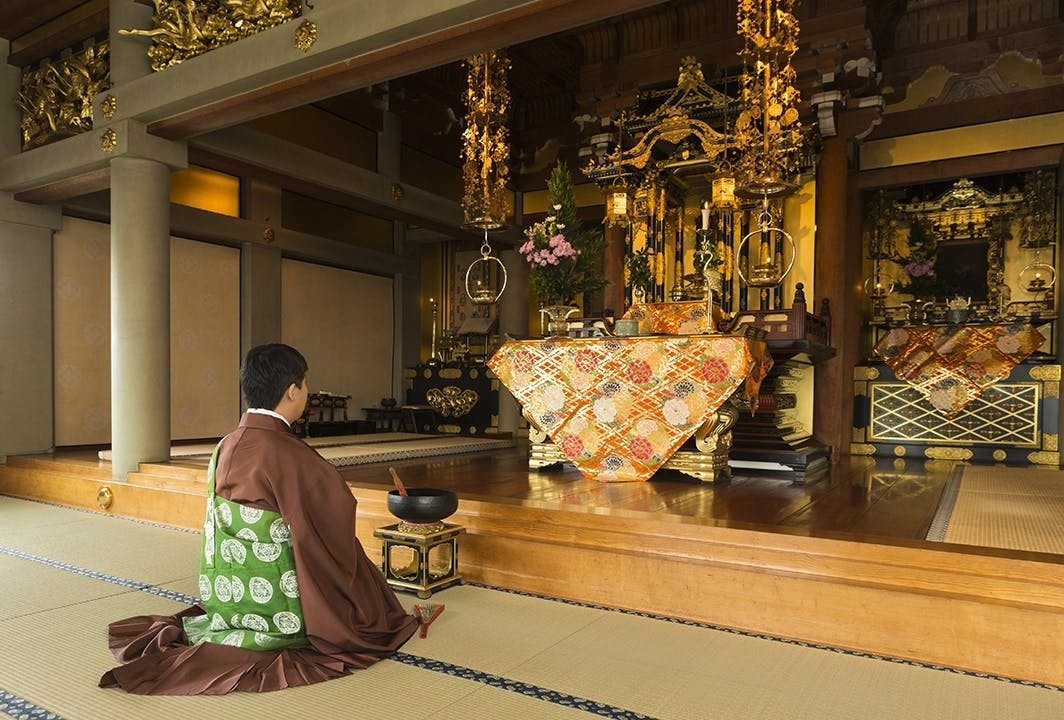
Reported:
(1005, 414)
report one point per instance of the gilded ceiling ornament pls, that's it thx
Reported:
(767, 132)
(182, 29)
(485, 140)
(109, 106)
(56, 98)
(306, 35)
(109, 141)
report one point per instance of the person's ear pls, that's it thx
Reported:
(291, 392)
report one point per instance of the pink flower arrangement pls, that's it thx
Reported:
(546, 245)
(561, 254)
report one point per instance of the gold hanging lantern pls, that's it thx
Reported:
(617, 207)
(722, 188)
(767, 131)
(485, 141)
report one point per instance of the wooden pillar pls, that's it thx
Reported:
(837, 268)
(613, 268)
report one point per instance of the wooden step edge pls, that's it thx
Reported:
(164, 482)
(172, 470)
(98, 469)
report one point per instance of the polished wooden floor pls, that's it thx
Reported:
(874, 499)
(857, 498)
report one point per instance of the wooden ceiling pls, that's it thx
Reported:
(41, 28)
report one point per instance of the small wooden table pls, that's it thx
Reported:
(383, 418)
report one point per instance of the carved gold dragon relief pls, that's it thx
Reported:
(56, 98)
(185, 28)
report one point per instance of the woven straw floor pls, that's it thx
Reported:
(491, 654)
(1011, 508)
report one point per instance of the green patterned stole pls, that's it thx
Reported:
(247, 579)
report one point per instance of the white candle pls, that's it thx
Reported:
(705, 215)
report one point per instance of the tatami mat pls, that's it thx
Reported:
(491, 654)
(1012, 508)
(188, 450)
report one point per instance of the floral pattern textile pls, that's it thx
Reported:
(671, 318)
(952, 365)
(619, 408)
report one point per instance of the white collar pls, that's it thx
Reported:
(263, 411)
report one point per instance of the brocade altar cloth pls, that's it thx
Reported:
(618, 408)
(952, 365)
(671, 318)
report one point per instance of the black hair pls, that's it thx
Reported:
(267, 372)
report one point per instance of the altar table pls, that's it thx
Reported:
(619, 408)
(952, 365)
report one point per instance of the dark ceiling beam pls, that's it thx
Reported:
(18, 17)
(1006, 161)
(85, 21)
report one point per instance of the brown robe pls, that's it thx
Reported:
(352, 617)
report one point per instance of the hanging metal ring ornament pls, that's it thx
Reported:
(766, 272)
(484, 294)
(1038, 277)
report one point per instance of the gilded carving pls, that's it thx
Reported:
(1044, 458)
(861, 372)
(862, 449)
(182, 29)
(899, 450)
(306, 36)
(1046, 372)
(109, 106)
(109, 141)
(452, 401)
(1000, 455)
(948, 453)
(56, 98)
(1049, 441)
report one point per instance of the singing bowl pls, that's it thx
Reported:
(422, 505)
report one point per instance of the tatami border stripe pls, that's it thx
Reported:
(131, 584)
(940, 523)
(22, 709)
(534, 691)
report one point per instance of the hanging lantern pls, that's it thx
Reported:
(617, 207)
(722, 187)
(767, 131)
(485, 144)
